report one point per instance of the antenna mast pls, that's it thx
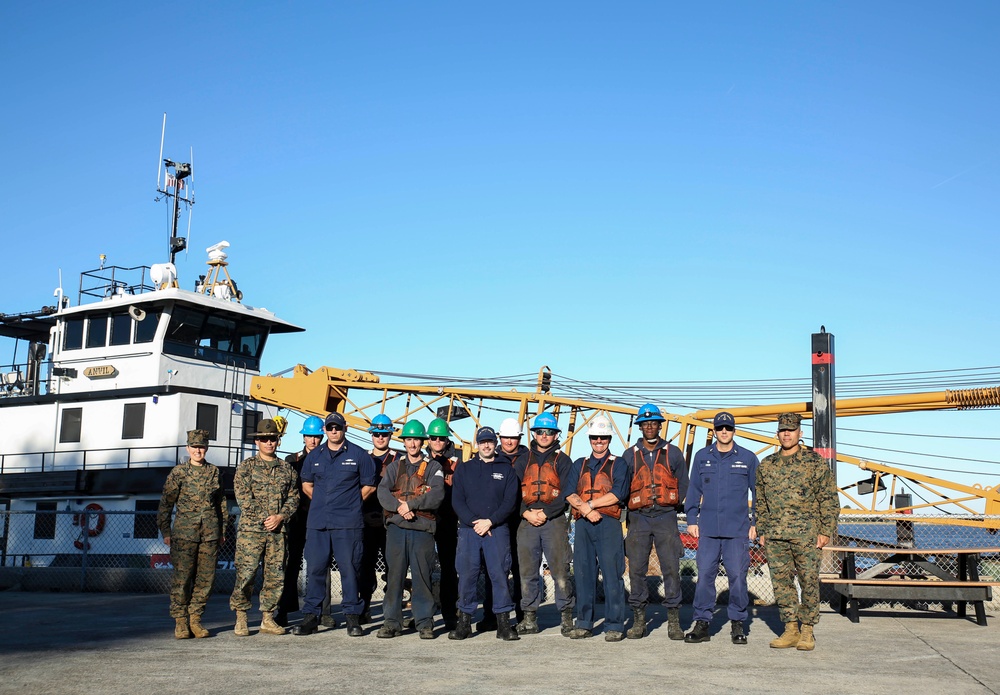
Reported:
(173, 187)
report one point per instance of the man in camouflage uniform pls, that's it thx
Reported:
(797, 512)
(268, 494)
(195, 488)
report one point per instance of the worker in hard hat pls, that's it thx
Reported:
(656, 495)
(510, 451)
(295, 528)
(484, 494)
(411, 492)
(381, 431)
(601, 483)
(723, 478)
(448, 456)
(337, 476)
(545, 527)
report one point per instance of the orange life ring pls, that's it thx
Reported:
(90, 531)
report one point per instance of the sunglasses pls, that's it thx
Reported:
(438, 439)
(600, 439)
(332, 427)
(546, 433)
(267, 439)
(381, 434)
(725, 428)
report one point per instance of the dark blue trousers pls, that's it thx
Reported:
(552, 539)
(344, 546)
(599, 544)
(735, 555)
(495, 551)
(408, 548)
(643, 533)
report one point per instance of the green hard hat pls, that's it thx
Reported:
(438, 428)
(414, 429)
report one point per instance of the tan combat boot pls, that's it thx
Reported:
(807, 641)
(268, 626)
(196, 628)
(789, 638)
(241, 624)
(181, 629)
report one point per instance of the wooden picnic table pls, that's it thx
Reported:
(912, 574)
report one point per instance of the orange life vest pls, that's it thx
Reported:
(541, 481)
(656, 486)
(409, 486)
(591, 487)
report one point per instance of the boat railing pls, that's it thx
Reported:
(111, 458)
(15, 379)
(114, 280)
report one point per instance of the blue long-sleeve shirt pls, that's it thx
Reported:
(721, 483)
(678, 467)
(620, 475)
(481, 490)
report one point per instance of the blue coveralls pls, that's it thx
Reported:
(655, 525)
(335, 525)
(721, 483)
(482, 490)
(600, 544)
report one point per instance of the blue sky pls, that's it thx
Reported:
(482, 188)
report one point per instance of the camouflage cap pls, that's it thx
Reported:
(266, 428)
(789, 421)
(198, 438)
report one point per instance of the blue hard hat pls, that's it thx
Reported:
(545, 421)
(381, 423)
(649, 413)
(313, 426)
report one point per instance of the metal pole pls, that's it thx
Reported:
(85, 540)
(824, 399)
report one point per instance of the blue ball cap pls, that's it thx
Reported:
(486, 434)
(724, 419)
(336, 419)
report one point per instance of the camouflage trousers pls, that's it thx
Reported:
(787, 559)
(251, 547)
(194, 574)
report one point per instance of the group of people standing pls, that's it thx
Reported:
(497, 512)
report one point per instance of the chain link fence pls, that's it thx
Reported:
(121, 551)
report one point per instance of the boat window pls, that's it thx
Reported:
(185, 326)
(72, 421)
(207, 418)
(250, 420)
(218, 334)
(73, 334)
(134, 421)
(121, 329)
(250, 341)
(145, 330)
(97, 332)
(144, 525)
(45, 520)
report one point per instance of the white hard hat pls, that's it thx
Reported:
(510, 428)
(600, 426)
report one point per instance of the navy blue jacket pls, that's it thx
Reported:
(721, 484)
(481, 490)
(337, 479)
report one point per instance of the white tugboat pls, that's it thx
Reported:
(97, 398)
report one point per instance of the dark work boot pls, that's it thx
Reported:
(674, 630)
(638, 629)
(566, 625)
(528, 626)
(699, 633)
(504, 630)
(328, 620)
(354, 626)
(736, 632)
(308, 626)
(463, 627)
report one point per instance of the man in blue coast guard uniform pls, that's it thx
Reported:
(336, 477)
(723, 475)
